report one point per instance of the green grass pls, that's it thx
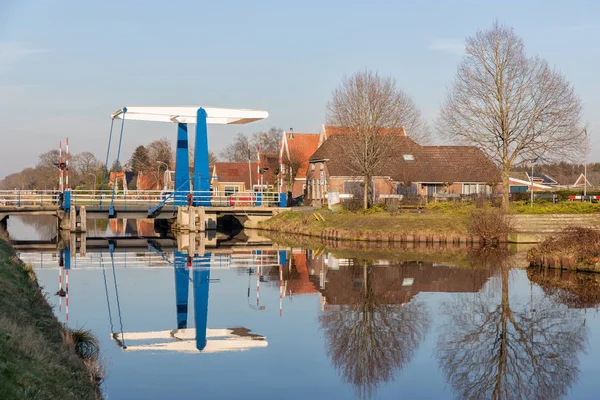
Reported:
(563, 207)
(370, 222)
(35, 362)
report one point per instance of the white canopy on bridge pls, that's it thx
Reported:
(188, 114)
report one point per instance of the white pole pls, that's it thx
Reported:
(532, 164)
(585, 164)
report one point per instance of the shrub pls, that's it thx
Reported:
(490, 224)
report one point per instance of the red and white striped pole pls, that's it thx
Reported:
(60, 172)
(67, 164)
(258, 285)
(280, 290)
(67, 304)
(59, 289)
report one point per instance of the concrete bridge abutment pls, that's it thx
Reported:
(73, 221)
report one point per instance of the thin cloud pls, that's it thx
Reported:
(581, 28)
(452, 46)
(12, 53)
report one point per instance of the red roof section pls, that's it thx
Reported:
(235, 172)
(303, 145)
(238, 172)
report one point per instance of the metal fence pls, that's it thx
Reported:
(146, 198)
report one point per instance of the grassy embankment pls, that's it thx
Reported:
(450, 220)
(38, 357)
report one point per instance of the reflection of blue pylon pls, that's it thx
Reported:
(182, 280)
(201, 282)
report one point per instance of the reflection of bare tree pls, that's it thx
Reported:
(369, 339)
(492, 349)
(44, 224)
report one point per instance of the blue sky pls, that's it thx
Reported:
(66, 65)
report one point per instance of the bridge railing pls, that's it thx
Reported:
(139, 198)
(151, 260)
(27, 198)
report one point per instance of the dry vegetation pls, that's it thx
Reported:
(574, 248)
(36, 362)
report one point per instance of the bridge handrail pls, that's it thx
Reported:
(151, 198)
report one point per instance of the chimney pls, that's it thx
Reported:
(402, 131)
(291, 133)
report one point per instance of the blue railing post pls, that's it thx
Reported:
(18, 198)
(259, 199)
(282, 199)
(66, 200)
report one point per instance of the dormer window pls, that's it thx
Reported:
(408, 157)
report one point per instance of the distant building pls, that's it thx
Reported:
(296, 149)
(414, 170)
(232, 177)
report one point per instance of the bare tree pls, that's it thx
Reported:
(512, 106)
(269, 142)
(372, 109)
(161, 154)
(240, 150)
(291, 166)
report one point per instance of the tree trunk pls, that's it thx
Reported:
(505, 190)
(366, 194)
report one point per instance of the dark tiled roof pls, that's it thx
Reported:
(340, 130)
(435, 164)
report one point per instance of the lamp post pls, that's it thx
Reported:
(532, 164)
(158, 172)
(586, 150)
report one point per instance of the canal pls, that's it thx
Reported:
(296, 322)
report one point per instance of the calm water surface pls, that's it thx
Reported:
(262, 323)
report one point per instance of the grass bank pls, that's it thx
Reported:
(38, 359)
(446, 221)
(369, 225)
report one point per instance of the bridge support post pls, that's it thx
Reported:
(201, 168)
(182, 166)
(83, 245)
(182, 282)
(82, 219)
(201, 282)
(73, 219)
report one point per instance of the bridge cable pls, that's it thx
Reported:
(112, 259)
(112, 200)
(107, 298)
(112, 121)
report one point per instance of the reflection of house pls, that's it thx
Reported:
(296, 149)
(394, 283)
(413, 170)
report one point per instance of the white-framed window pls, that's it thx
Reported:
(408, 157)
(477, 188)
(231, 189)
(312, 166)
